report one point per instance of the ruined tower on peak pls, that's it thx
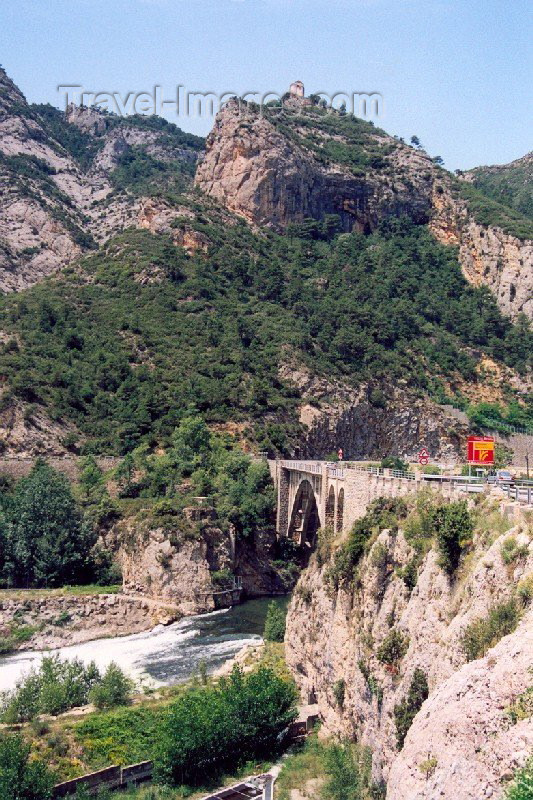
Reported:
(297, 89)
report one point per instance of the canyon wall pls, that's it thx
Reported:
(334, 638)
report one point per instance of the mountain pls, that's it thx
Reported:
(64, 180)
(278, 166)
(294, 282)
(510, 184)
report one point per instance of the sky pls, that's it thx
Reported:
(456, 73)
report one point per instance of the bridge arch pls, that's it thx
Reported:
(304, 520)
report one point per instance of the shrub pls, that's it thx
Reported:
(348, 771)
(114, 689)
(393, 647)
(405, 712)
(22, 778)
(379, 556)
(209, 730)
(512, 551)
(52, 689)
(395, 463)
(339, 689)
(274, 630)
(484, 632)
(454, 526)
(522, 786)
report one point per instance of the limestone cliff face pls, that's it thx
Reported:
(372, 422)
(488, 255)
(54, 207)
(178, 563)
(273, 174)
(257, 171)
(335, 636)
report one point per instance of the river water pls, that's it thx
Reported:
(164, 655)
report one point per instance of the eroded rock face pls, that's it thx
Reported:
(488, 255)
(253, 168)
(52, 210)
(464, 727)
(335, 635)
(372, 423)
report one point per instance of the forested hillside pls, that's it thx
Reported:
(122, 359)
(346, 292)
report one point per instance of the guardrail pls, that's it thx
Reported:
(520, 494)
(304, 466)
(111, 778)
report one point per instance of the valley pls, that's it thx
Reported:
(220, 360)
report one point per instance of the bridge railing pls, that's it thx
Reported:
(303, 466)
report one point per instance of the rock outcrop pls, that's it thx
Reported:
(55, 206)
(333, 638)
(268, 168)
(58, 619)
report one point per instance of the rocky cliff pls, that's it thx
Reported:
(461, 744)
(280, 166)
(59, 192)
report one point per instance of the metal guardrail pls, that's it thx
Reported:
(496, 425)
(520, 494)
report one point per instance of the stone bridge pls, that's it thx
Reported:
(313, 494)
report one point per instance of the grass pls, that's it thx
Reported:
(485, 632)
(75, 591)
(303, 765)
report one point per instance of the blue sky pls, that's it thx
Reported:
(458, 73)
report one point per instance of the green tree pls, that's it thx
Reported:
(91, 481)
(49, 544)
(274, 623)
(244, 713)
(22, 778)
(114, 688)
(405, 712)
(191, 444)
(454, 527)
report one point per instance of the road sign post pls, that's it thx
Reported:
(423, 457)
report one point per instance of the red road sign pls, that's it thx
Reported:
(423, 457)
(481, 449)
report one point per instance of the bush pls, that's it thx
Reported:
(393, 647)
(209, 730)
(484, 632)
(114, 689)
(348, 772)
(522, 786)
(274, 623)
(512, 551)
(22, 778)
(395, 463)
(339, 690)
(54, 688)
(454, 527)
(405, 712)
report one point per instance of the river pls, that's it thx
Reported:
(164, 655)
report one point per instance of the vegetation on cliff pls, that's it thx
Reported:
(123, 361)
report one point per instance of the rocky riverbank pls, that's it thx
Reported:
(41, 620)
